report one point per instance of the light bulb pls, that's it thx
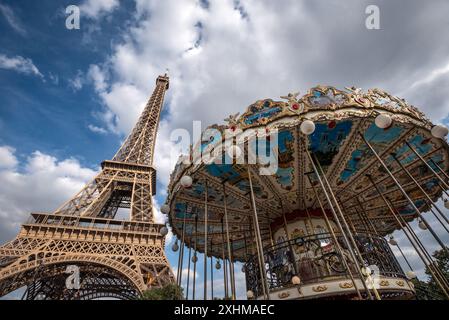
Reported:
(234, 152)
(165, 209)
(446, 203)
(383, 121)
(296, 280)
(163, 231)
(392, 241)
(307, 127)
(439, 131)
(366, 271)
(186, 181)
(422, 225)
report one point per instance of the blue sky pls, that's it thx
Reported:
(68, 97)
(41, 113)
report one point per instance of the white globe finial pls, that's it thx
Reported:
(439, 131)
(307, 127)
(392, 241)
(234, 152)
(446, 203)
(410, 274)
(366, 271)
(296, 280)
(165, 209)
(186, 181)
(383, 121)
(422, 225)
(163, 231)
(249, 294)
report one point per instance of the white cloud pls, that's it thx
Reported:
(78, 81)
(19, 64)
(96, 129)
(40, 184)
(12, 19)
(98, 77)
(54, 78)
(97, 8)
(7, 158)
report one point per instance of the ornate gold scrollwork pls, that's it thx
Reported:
(400, 283)
(319, 288)
(384, 283)
(283, 295)
(346, 285)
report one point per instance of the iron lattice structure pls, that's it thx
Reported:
(115, 258)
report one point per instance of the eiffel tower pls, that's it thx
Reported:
(83, 240)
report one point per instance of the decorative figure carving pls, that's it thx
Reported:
(293, 102)
(232, 119)
(354, 90)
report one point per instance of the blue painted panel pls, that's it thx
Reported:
(379, 140)
(326, 141)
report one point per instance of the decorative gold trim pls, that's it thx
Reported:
(346, 285)
(384, 283)
(400, 283)
(319, 288)
(283, 295)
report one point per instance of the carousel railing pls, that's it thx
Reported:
(316, 258)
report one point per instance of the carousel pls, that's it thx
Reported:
(351, 167)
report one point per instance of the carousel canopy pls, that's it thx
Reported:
(339, 120)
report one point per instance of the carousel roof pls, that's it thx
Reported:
(340, 117)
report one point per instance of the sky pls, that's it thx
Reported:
(68, 98)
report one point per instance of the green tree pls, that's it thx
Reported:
(169, 292)
(442, 263)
